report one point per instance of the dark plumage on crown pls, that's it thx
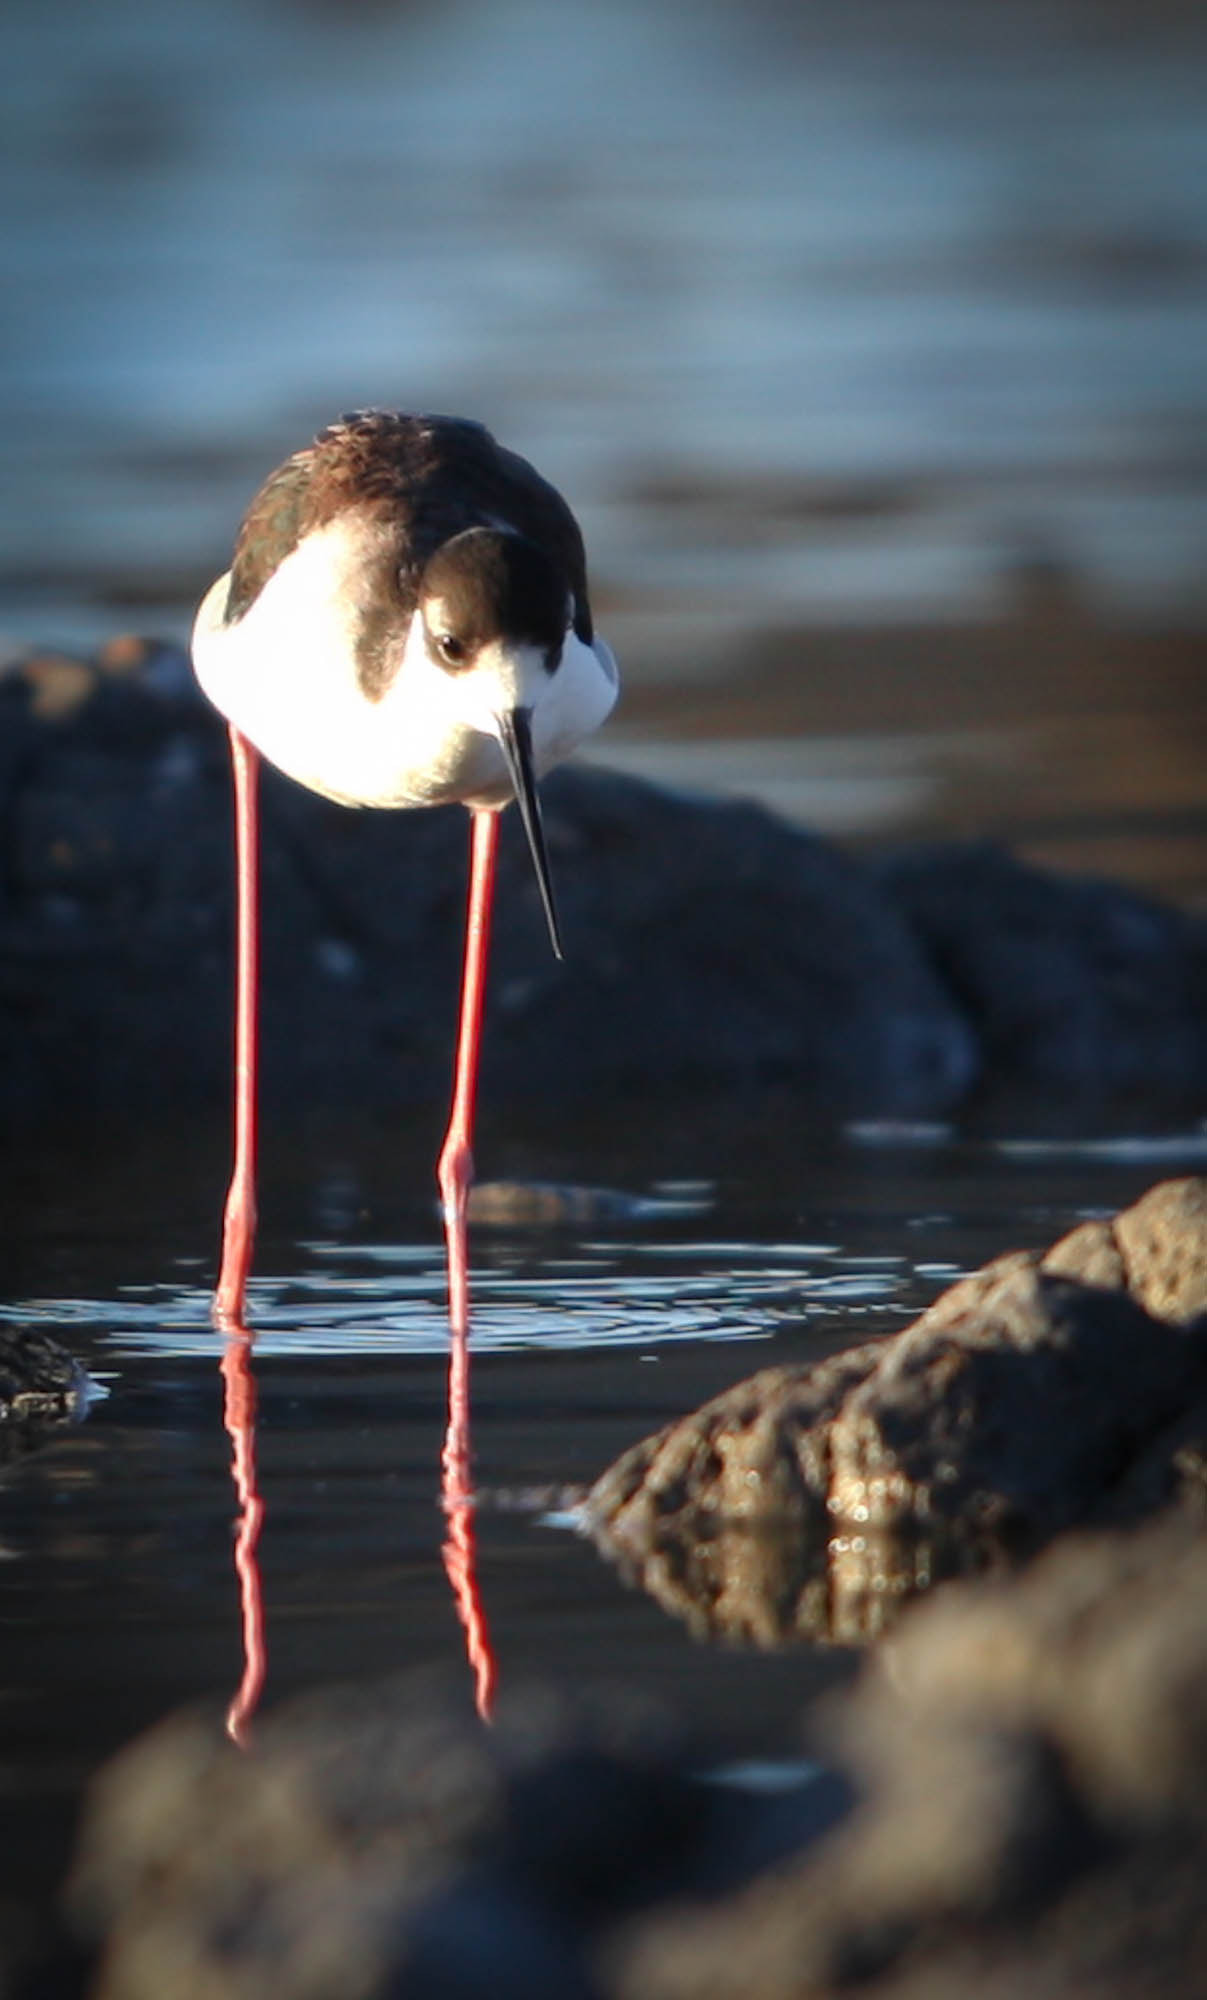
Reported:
(490, 583)
(429, 478)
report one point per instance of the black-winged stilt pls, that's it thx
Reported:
(405, 622)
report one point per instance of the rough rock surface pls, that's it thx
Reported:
(1044, 1390)
(41, 1387)
(708, 942)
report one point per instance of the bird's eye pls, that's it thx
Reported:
(450, 648)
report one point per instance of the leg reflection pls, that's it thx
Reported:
(460, 1543)
(239, 1416)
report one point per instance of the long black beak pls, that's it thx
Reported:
(515, 734)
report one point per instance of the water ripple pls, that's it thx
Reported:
(390, 1299)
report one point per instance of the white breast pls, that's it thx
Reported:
(285, 675)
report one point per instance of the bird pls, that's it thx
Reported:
(405, 623)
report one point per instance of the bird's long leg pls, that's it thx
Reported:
(455, 1171)
(239, 1219)
(455, 1174)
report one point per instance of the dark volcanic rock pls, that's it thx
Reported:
(377, 1840)
(708, 942)
(1078, 984)
(1009, 1411)
(723, 1516)
(1044, 1390)
(41, 1387)
(705, 941)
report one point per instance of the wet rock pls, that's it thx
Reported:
(709, 943)
(42, 1386)
(1040, 1392)
(722, 1517)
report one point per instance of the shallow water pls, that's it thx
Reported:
(118, 1593)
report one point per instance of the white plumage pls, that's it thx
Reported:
(285, 674)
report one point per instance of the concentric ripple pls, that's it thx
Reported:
(389, 1298)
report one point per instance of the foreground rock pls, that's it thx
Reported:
(377, 1840)
(1050, 1388)
(1031, 1762)
(1015, 1804)
(708, 942)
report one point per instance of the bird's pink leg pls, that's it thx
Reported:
(454, 1174)
(239, 1220)
(455, 1171)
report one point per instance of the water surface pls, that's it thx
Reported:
(118, 1593)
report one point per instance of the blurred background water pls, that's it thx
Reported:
(868, 344)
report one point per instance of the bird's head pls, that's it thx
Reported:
(495, 611)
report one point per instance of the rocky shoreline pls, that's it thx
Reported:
(1048, 1390)
(709, 944)
(1009, 1798)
